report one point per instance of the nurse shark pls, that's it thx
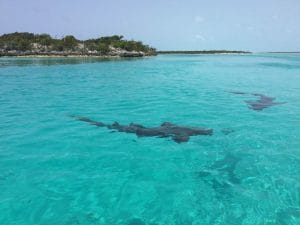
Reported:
(178, 133)
(261, 103)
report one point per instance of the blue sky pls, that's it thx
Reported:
(255, 25)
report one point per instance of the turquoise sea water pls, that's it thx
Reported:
(58, 170)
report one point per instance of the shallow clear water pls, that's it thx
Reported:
(57, 170)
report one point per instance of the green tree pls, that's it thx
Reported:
(57, 45)
(103, 48)
(44, 39)
(23, 45)
(69, 42)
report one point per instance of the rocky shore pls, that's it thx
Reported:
(112, 53)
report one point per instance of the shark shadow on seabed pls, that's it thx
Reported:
(178, 134)
(221, 174)
(261, 103)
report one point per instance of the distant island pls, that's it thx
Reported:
(204, 52)
(43, 45)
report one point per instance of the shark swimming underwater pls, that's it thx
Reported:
(221, 174)
(261, 103)
(178, 134)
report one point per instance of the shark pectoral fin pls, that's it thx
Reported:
(178, 138)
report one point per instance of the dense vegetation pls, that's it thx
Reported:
(203, 52)
(30, 43)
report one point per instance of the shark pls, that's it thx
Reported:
(261, 103)
(177, 133)
(221, 174)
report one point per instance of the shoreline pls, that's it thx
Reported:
(250, 53)
(112, 56)
(205, 52)
(74, 56)
(132, 55)
(63, 56)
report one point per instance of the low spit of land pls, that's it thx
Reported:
(204, 52)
